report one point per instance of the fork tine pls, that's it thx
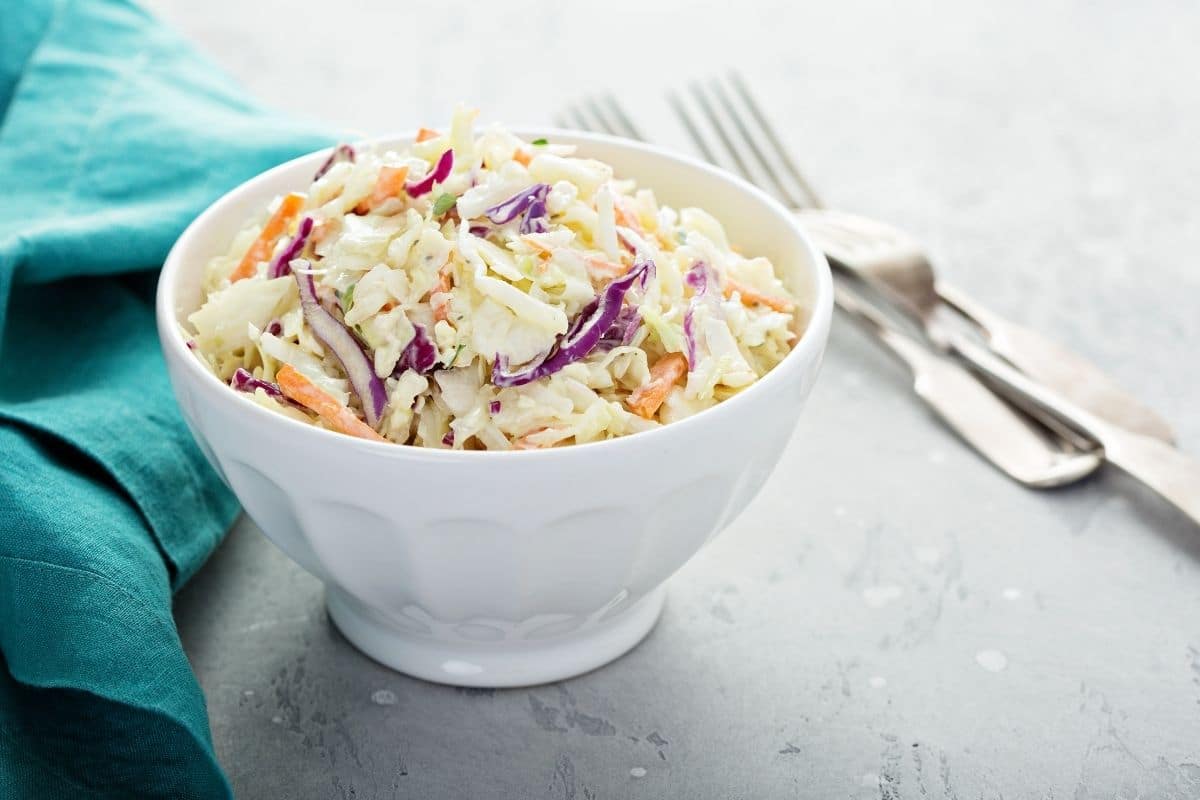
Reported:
(769, 131)
(599, 115)
(715, 120)
(579, 119)
(681, 111)
(623, 120)
(789, 197)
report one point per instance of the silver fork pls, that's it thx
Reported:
(907, 274)
(898, 265)
(1004, 436)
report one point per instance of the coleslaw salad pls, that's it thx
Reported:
(485, 292)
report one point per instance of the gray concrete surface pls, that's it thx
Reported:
(890, 618)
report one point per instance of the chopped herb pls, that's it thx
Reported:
(454, 357)
(681, 236)
(346, 298)
(539, 142)
(444, 204)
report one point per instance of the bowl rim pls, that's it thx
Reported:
(811, 339)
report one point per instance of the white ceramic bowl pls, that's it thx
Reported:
(501, 568)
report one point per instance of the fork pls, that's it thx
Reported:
(897, 264)
(1172, 474)
(1005, 437)
(891, 259)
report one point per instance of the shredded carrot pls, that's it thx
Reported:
(299, 388)
(527, 442)
(647, 398)
(536, 245)
(604, 269)
(441, 306)
(752, 296)
(289, 207)
(523, 442)
(521, 157)
(389, 184)
(626, 215)
(319, 232)
(425, 134)
(441, 309)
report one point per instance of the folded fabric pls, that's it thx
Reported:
(114, 134)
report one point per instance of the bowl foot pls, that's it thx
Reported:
(523, 662)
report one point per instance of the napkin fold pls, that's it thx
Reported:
(114, 134)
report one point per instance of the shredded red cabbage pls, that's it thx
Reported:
(346, 348)
(623, 329)
(494, 407)
(700, 277)
(419, 355)
(531, 202)
(480, 230)
(279, 267)
(343, 152)
(243, 381)
(689, 336)
(448, 439)
(275, 328)
(582, 336)
(534, 220)
(440, 172)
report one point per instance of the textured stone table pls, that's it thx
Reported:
(890, 618)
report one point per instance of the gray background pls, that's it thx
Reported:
(828, 645)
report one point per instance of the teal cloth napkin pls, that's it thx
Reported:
(114, 134)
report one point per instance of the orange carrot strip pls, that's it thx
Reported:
(389, 184)
(521, 157)
(289, 207)
(319, 232)
(425, 134)
(523, 442)
(536, 245)
(751, 296)
(299, 388)
(647, 398)
(441, 306)
(626, 215)
(605, 269)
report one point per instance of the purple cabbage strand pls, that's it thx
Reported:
(280, 266)
(440, 172)
(343, 152)
(244, 381)
(346, 348)
(531, 202)
(700, 277)
(534, 220)
(582, 336)
(419, 355)
(623, 329)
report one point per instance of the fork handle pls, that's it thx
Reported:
(968, 407)
(1055, 366)
(1175, 476)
